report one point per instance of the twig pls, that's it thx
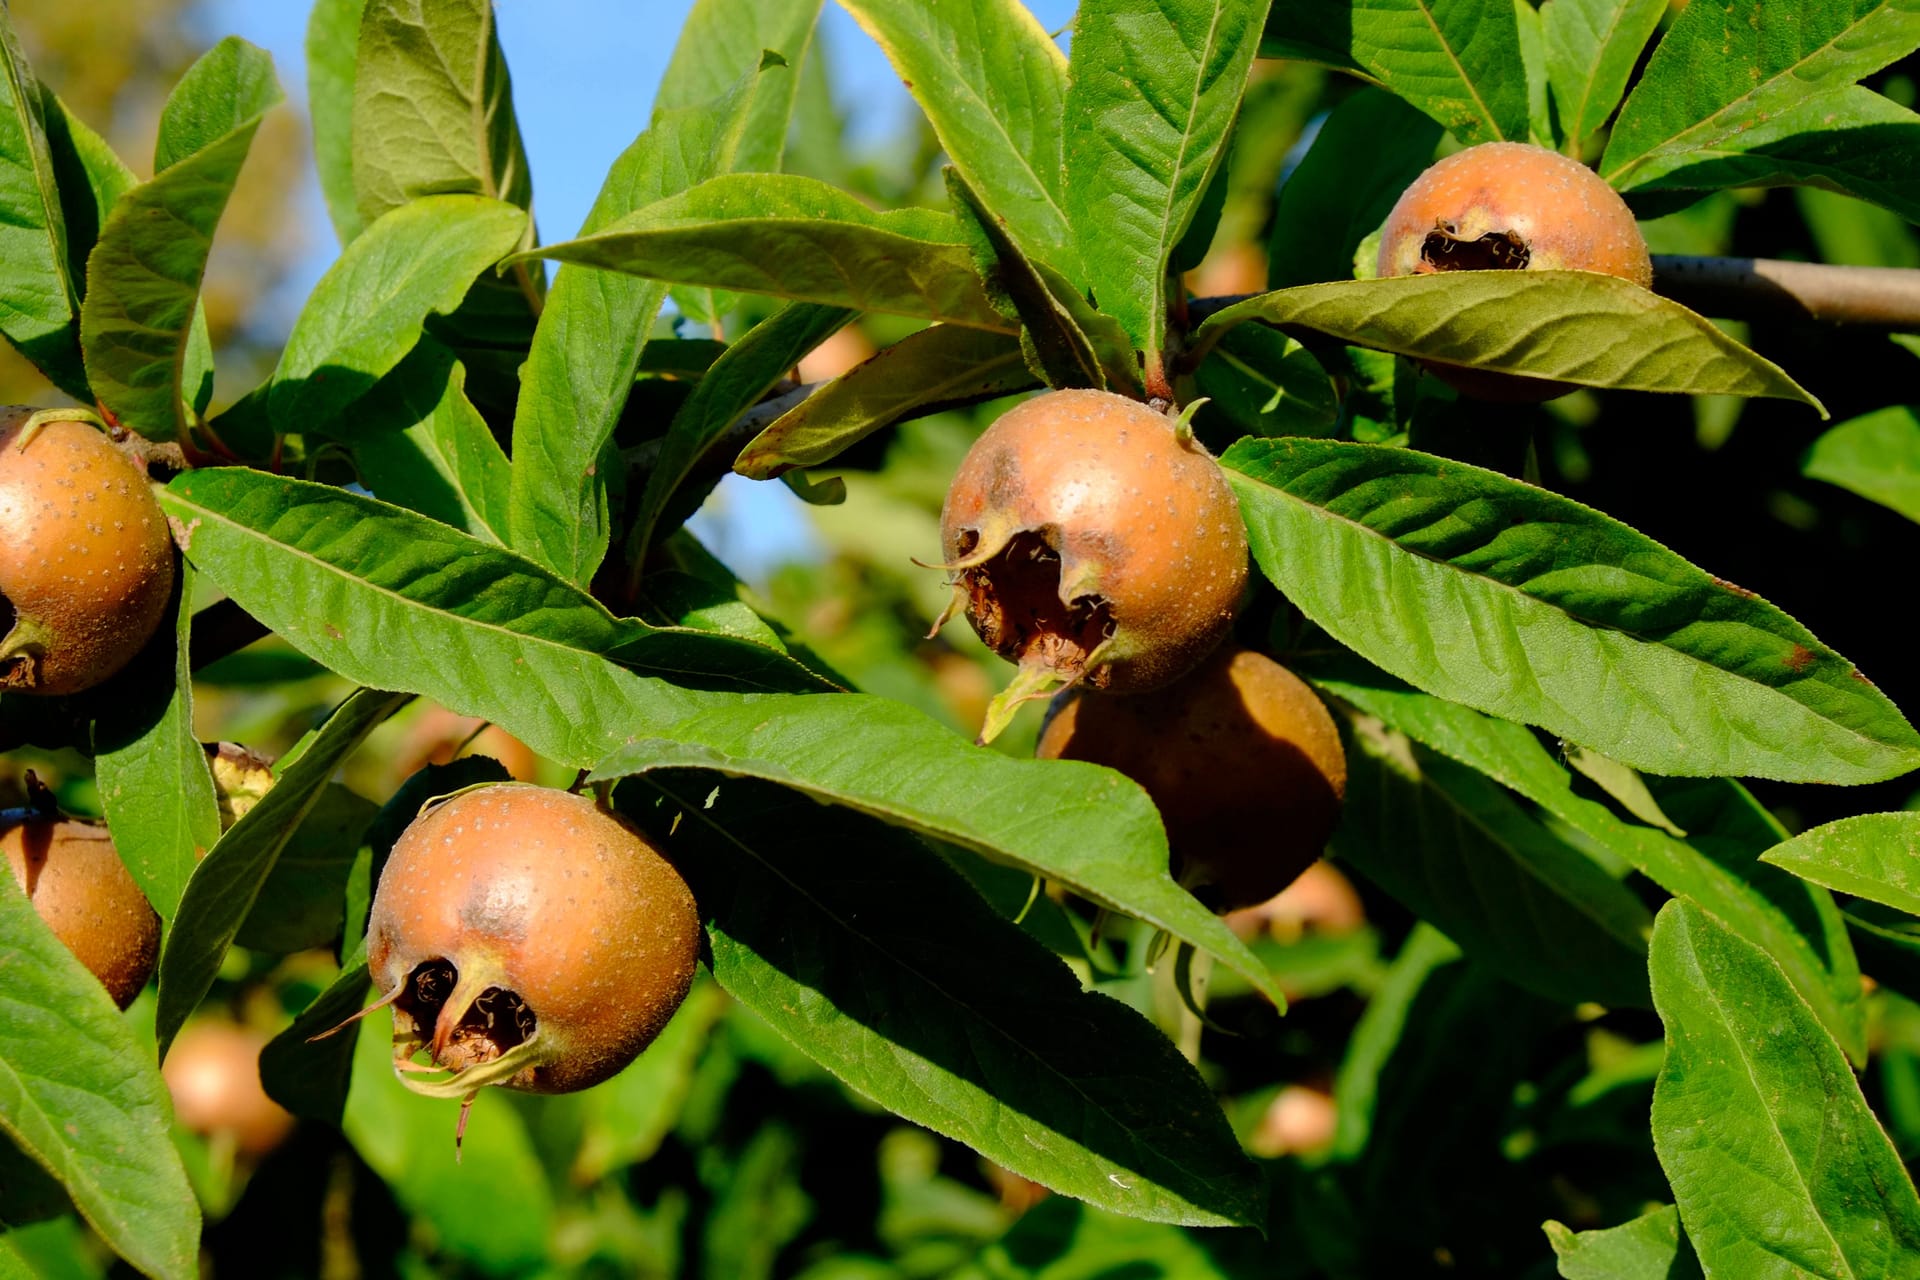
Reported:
(1770, 288)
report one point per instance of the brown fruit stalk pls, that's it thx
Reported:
(76, 881)
(1241, 758)
(1093, 541)
(86, 563)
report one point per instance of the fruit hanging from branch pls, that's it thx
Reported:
(528, 938)
(86, 562)
(1093, 541)
(1511, 206)
(1241, 758)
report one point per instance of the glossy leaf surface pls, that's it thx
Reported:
(1874, 856)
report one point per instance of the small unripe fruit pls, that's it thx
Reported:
(86, 563)
(1511, 206)
(213, 1072)
(529, 938)
(1242, 760)
(1094, 542)
(76, 881)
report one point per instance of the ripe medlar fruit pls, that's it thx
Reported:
(1094, 542)
(86, 563)
(1511, 206)
(1241, 758)
(529, 938)
(74, 877)
(213, 1072)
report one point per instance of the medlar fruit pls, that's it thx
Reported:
(1241, 758)
(86, 563)
(1093, 542)
(527, 937)
(1511, 206)
(74, 877)
(213, 1072)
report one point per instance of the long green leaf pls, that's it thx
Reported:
(39, 299)
(1876, 456)
(797, 239)
(228, 86)
(152, 771)
(1651, 1247)
(143, 276)
(91, 180)
(1778, 1167)
(81, 1096)
(1468, 860)
(419, 443)
(227, 881)
(1079, 824)
(1871, 856)
(1735, 82)
(333, 46)
(994, 88)
(367, 311)
(1592, 46)
(1562, 325)
(1714, 865)
(338, 576)
(1153, 89)
(956, 1020)
(1531, 607)
(722, 41)
(942, 366)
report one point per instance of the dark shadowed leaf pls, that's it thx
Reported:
(1153, 89)
(1874, 856)
(1082, 825)
(300, 904)
(333, 46)
(798, 239)
(81, 1096)
(942, 366)
(1562, 325)
(1876, 456)
(1532, 607)
(419, 443)
(91, 178)
(39, 298)
(1062, 1239)
(993, 86)
(1651, 1247)
(1777, 1165)
(227, 881)
(1061, 1085)
(1268, 385)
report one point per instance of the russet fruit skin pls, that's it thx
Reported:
(76, 881)
(213, 1072)
(1512, 206)
(1083, 518)
(86, 562)
(535, 892)
(1241, 758)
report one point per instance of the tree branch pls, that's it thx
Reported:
(1770, 288)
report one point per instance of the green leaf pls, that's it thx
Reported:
(1468, 860)
(724, 40)
(742, 374)
(1777, 1165)
(230, 85)
(1059, 351)
(152, 771)
(1729, 86)
(419, 443)
(1715, 867)
(1081, 825)
(81, 1096)
(91, 179)
(994, 87)
(1562, 325)
(1872, 856)
(1876, 456)
(1062, 1239)
(338, 576)
(1533, 61)
(1153, 88)
(366, 312)
(942, 366)
(624, 1121)
(143, 276)
(1329, 204)
(1592, 46)
(797, 239)
(39, 298)
(333, 46)
(301, 902)
(1889, 945)
(1529, 606)
(226, 883)
(1267, 384)
(1651, 1247)
(953, 1018)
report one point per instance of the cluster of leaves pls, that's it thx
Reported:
(465, 482)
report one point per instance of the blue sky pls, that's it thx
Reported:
(584, 75)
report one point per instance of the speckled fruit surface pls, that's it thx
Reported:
(86, 563)
(77, 883)
(542, 894)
